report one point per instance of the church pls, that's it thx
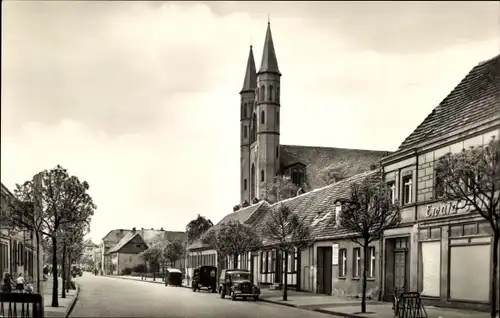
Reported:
(262, 156)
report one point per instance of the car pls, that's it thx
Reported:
(205, 277)
(237, 284)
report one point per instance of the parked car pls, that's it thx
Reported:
(173, 277)
(237, 283)
(205, 277)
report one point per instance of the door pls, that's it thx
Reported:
(255, 270)
(399, 269)
(327, 270)
(320, 260)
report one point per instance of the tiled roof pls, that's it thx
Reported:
(175, 236)
(245, 216)
(318, 158)
(250, 81)
(124, 241)
(116, 237)
(476, 98)
(269, 62)
(113, 237)
(317, 208)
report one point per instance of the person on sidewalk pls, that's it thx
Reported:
(20, 282)
(7, 283)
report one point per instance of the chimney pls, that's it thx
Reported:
(133, 230)
(162, 229)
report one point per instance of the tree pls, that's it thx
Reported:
(366, 215)
(288, 232)
(472, 179)
(71, 235)
(197, 227)
(232, 239)
(281, 188)
(173, 251)
(152, 256)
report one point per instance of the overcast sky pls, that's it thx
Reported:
(141, 99)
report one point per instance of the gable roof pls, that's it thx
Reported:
(124, 241)
(246, 215)
(113, 237)
(317, 208)
(475, 99)
(318, 158)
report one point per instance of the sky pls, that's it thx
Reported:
(141, 99)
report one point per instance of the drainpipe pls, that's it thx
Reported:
(381, 258)
(416, 220)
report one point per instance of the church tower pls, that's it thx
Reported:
(247, 100)
(266, 120)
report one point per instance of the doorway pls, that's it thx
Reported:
(397, 266)
(324, 282)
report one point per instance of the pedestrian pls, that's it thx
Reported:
(20, 282)
(7, 283)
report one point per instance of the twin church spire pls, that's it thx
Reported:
(269, 62)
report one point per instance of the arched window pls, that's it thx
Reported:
(262, 93)
(245, 132)
(261, 175)
(277, 118)
(245, 109)
(254, 127)
(252, 182)
(245, 184)
(277, 151)
(262, 117)
(278, 94)
(271, 91)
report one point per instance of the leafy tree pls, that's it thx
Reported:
(232, 239)
(472, 178)
(152, 256)
(281, 188)
(197, 227)
(71, 235)
(367, 214)
(173, 251)
(288, 232)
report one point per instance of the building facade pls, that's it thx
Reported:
(442, 249)
(17, 248)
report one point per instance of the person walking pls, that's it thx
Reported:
(20, 282)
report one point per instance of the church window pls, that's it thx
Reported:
(245, 110)
(245, 184)
(277, 118)
(262, 117)
(245, 132)
(262, 175)
(278, 94)
(254, 127)
(271, 91)
(252, 182)
(277, 151)
(262, 93)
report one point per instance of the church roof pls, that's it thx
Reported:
(269, 61)
(250, 81)
(475, 99)
(318, 159)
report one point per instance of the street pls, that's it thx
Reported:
(112, 297)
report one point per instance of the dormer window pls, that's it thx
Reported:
(338, 211)
(297, 176)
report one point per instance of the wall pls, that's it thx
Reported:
(135, 246)
(125, 260)
(199, 258)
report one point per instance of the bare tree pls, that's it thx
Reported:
(366, 215)
(289, 233)
(472, 178)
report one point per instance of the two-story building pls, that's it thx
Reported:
(17, 248)
(441, 249)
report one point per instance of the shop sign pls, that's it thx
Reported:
(446, 209)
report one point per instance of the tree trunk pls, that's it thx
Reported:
(38, 282)
(285, 281)
(494, 275)
(55, 300)
(365, 270)
(63, 294)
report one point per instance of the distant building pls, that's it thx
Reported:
(90, 255)
(120, 248)
(17, 250)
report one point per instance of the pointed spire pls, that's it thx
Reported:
(269, 61)
(250, 82)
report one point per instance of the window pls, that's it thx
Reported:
(277, 151)
(271, 90)
(297, 176)
(262, 117)
(273, 261)
(277, 118)
(407, 190)
(262, 93)
(392, 189)
(356, 266)
(338, 211)
(342, 262)
(245, 184)
(245, 132)
(278, 94)
(371, 261)
(245, 113)
(261, 175)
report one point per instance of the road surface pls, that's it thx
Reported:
(113, 297)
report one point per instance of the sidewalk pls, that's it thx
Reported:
(146, 280)
(351, 307)
(65, 304)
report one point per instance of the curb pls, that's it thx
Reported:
(331, 313)
(144, 281)
(73, 302)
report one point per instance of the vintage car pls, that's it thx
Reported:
(173, 277)
(205, 277)
(237, 283)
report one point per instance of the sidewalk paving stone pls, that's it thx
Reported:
(65, 304)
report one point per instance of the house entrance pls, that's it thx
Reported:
(397, 266)
(324, 270)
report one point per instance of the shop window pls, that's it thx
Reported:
(356, 262)
(484, 228)
(436, 233)
(342, 262)
(423, 234)
(407, 190)
(470, 229)
(371, 261)
(456, 231)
